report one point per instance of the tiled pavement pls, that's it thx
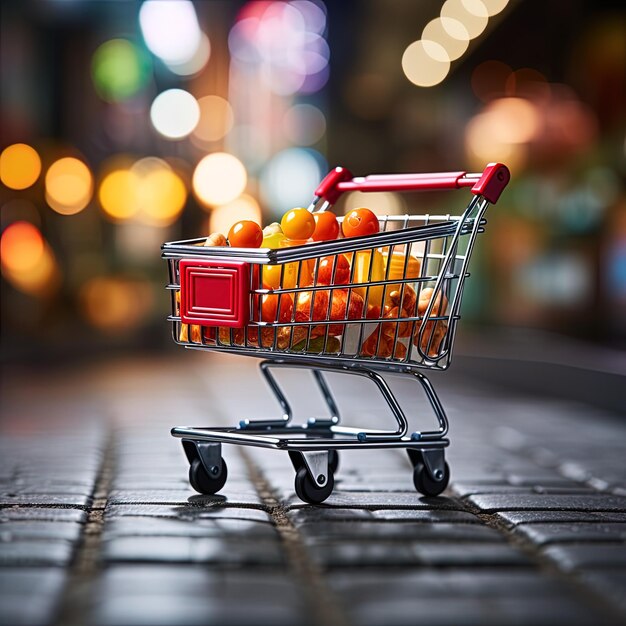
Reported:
(98, 524)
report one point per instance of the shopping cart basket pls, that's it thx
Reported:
(387, 302)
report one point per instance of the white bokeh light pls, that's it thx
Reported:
(219, 178)
(290, 178)
(197, 61)
(170, 29)
(175, 113)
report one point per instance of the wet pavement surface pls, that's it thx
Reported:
(98, 523)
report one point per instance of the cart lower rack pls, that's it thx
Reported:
(362, 306)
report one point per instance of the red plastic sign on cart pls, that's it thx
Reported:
(214, 292)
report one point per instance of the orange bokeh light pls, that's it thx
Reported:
(69, 186)
(20, 166)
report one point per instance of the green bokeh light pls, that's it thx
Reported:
(119, 70)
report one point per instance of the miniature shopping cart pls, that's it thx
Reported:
(383, 303)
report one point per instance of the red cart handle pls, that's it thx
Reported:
(489, 184)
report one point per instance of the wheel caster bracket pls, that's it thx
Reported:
(316, 463)
(434, 460)
(209, 453)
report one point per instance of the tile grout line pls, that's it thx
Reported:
(75, 601)
(320, 600)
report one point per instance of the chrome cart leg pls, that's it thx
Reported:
(333, 409)
(431, 473)
(437, 407)
(314, 475)
(207, 469)
(265, 367)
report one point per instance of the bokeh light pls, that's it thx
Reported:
(27, 261)
(197, 61)
(450, 34)
(494, 6)
(162, 196)
(380, 202)
(219, 178)
(118, 194)
(149, 192)
(170, 29)
(284, 40)
(425, 63)
(174, 113)
(115, 304)
(304, 124)
(473, 14)
(119, 69)
(69, 186)
(289, 179)
(216, 119)
(502, 132)
(22, 247)
(245, 207)
(20, 166)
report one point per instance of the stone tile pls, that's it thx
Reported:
(45, 514)
(463, 611)
(229, 495)
(308, 516)
(541, 477)
(44, 499)
(29, 596)
(187, 512)
(24, 552)
(468, 489)
(130, 526)
(411, 553)
(165, 595)
(590, 555)
(552, 532)
(355, 585)
(381, 530)
(37, 530)
(22, 487)
(223, 551)
(428, 516)
(589, 502)
(610, 583)
(379, 500)
(512, 518)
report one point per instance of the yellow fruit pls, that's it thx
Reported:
(364, 259)
(397, 271)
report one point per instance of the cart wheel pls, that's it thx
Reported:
(202, 481)
(427, 485)
(308, 491)
(333, 461)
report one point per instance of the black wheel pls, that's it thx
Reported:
(333, 461)
(427, 485)
(310, 492)
(202, 481)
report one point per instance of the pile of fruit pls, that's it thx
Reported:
(349, 295)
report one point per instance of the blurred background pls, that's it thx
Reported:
(127, 124)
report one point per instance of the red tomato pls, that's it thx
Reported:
(359, 222)
(245, 234)
(269, 307)
(326, 226)
(325, 271)
(298, 224)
